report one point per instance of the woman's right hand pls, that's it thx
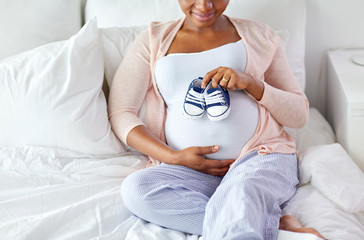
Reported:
(193, 157)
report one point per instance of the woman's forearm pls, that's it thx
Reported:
(143, 141)
(255, 89)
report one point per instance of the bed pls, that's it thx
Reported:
(61, 166)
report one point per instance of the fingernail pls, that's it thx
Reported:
(215, 147)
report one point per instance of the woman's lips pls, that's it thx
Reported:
(203, 16)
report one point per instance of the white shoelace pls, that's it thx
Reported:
(215, 97)
(195, 97)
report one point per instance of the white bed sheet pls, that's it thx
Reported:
(58, 194)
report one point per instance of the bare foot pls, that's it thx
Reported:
(290, 223)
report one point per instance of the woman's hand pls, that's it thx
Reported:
(193, 157)
(232, 79)
(143, 141)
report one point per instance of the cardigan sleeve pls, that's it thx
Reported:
(283, 96)
(129, 88)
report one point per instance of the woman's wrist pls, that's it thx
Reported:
(143, 141)
(255, 88)
(165, 153)
(174, 157)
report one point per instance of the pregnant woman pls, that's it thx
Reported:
(217, 92)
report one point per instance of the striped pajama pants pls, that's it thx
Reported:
(244, 204)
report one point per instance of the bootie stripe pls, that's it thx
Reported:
(217, 103)
(194, 104)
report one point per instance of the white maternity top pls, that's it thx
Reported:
(175, 72)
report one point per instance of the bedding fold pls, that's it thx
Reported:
(48, 193)
(333, 173)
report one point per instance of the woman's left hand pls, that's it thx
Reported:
(227, 78)
(232, 79)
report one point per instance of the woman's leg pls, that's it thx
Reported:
(246, 205)
(171, 196)
(290, 223)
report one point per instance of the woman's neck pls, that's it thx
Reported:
(221, 24)
(189, 39)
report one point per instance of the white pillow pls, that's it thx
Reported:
(126, 13)
(27, 24)
(279, 14)
(51, 97)
(116, 42)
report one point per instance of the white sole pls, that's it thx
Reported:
(186, 115)
(219, 118)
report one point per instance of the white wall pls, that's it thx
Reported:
(330, 24)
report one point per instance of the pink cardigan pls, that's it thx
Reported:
(283, 102)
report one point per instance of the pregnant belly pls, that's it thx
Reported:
(231, 134)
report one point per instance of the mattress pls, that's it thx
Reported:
(53, 193)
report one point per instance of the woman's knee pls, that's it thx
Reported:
(132, 192)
